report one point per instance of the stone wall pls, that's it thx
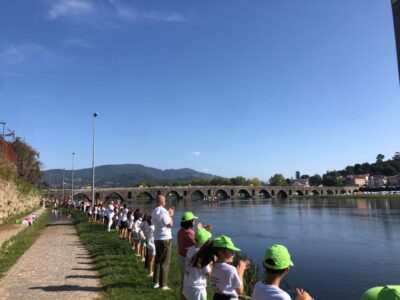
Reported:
(13, 202)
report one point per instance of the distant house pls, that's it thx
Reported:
(300, 182)
(377, 181)
(358, 180)
(393, 181)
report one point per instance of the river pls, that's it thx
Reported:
(340, 247)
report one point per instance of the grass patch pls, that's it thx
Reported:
(14, 248)
(11, 219)
(122, 275)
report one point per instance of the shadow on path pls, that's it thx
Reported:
(66, 288)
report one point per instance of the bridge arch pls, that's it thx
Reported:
(314, 192)
(221, 194)
(197, 195)
(263, 194)
(330, 192)
(282, 194)
(299, 193)
(144, 197)
(343, 192)
(172, 195)
(114, 196)
(81, 196)
(243, 194)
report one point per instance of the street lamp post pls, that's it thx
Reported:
(93, 156)
(63, 184)
(72, 177)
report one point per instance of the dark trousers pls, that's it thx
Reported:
(162, 262)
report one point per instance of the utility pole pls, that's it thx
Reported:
(63, 184)
(72, 177)
(93, 156)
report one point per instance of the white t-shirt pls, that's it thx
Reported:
(130, 222)
(149, 234)
(195, 277)
(124, 214)
(225, 279)
(110, 210)
(137, 224)
(264, 291)
(160, 218)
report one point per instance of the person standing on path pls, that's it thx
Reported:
(163, 222)
(110, 215)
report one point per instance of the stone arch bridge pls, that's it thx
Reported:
(187, 193)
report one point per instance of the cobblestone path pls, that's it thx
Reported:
(9, 230)
(55, 267)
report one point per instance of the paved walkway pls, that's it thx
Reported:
(55, 267)
(7, 231)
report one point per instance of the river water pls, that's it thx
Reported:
(340, 247)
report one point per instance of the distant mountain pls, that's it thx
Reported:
(124, 175)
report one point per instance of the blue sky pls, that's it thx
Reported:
(227, 87)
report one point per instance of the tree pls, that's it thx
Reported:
(316, 180)
(28, 164)
(379, 158)
(278, 180)
(255, 181)
(396, 156)
(238, 180)
(297, 174)
(305, 176)
(332, 180)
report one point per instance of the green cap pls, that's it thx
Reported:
(202, 235)
(388, 292)
(280, 256)
(224, 242)
(188, 216)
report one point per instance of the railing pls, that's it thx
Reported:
(7, 152)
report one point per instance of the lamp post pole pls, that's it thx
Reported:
(63, 184)
(93, 157)
(72, 177)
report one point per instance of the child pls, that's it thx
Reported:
(123, 222)
(388, 292)
(136, 232)
(151, 247)
(130, 225)
(277, 262)
(226, 280)
(185, 239)
(143, 247)
(195, 279)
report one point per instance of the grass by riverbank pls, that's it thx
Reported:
(122, 275)
(14, 248)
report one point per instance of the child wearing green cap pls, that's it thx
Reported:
(185, 240)
(195, 279)
(277, 262)
(226, 280)
(388, 292)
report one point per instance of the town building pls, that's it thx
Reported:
(377, 181)
(393, 181)
(358, 180)
(300, 182)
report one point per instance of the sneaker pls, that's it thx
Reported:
(143, 260)
(150, 275)
(156, 286)
(165, 288)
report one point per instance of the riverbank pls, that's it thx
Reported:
(13, 248)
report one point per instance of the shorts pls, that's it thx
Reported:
(123, 225)
(151, 251)
(129, 229)
(195, 293)
(182, 264)
(135, 236)
(143, 242)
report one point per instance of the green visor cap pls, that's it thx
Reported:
(202, 235)
(280, 256)
(188, 216)
(388, 292)
(224, 242)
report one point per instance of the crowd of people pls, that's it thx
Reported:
(201, 258)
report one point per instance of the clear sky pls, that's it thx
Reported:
(246, 88)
